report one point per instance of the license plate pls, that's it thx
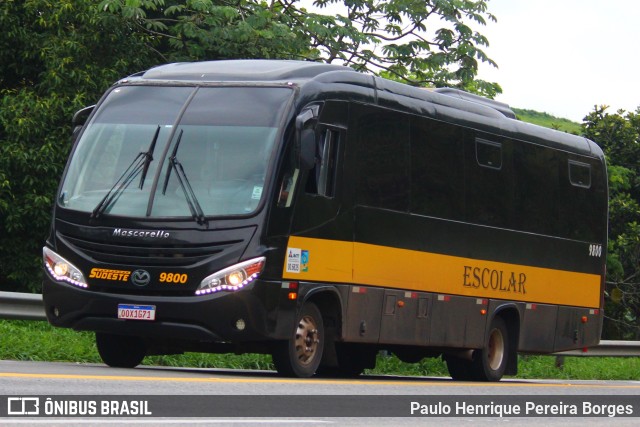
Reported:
(136, 312)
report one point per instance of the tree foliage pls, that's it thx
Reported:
(619, 136)
(422, 42)
(55, 57)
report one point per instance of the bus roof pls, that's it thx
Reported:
(445, 104)
(247, 70)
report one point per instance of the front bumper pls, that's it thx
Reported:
(205, 319)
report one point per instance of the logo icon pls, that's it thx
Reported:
(140, 277)
(23, 406)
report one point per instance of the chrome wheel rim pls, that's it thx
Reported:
(307, 340)
(495, 349)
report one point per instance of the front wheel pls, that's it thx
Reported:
(120, 351)
(490, 362)
(300, 355)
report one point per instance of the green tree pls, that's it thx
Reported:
(58, 56)
(191, 30)
(422, 42)
(619, 136)
(55, 57)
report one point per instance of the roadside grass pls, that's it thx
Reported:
(39, 341)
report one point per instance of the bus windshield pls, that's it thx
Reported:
(157, 151)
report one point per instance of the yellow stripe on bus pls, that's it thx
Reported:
(336, 261)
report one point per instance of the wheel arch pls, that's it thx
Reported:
(510, 313)
(329, 302)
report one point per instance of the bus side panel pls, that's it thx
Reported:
(364, 306)
(592, 329)
(457, 322)
(538, 328)
(405, 317)
(577, 327)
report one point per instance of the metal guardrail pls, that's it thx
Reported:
(23, 306)
(607, 349)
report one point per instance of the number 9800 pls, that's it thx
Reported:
(173, 278)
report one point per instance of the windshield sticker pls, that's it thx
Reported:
(257, 193)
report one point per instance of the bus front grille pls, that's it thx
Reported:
(148, 255)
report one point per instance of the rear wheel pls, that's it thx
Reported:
(409, 355)
(300, 355)
(120, 351)
(490, 362)
(460, 369)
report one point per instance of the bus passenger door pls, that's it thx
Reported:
(319, 215)
(317, 211)
(319, 239)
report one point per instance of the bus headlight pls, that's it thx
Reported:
(61, 269)
(232, 278)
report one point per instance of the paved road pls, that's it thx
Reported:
(298, 402)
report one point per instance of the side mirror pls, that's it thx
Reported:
(81, 116)
(79, 119)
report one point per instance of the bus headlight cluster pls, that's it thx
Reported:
(232, 278)
(61, 269)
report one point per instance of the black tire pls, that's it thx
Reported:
(408, 355)
(490, 362)
(460, 369)
(300, 356)
(120, 351)
(353, 359)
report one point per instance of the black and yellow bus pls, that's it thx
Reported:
(320, 215)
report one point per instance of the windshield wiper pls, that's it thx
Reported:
(148, 156)
(189, 195)
(139, 164)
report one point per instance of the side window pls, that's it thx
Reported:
(537, 188)
(489, 154)
(579, 174)
(321, 179)
(383, 159)
(437, 169)
(577, 215)
(489, 183)
(328, 149)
